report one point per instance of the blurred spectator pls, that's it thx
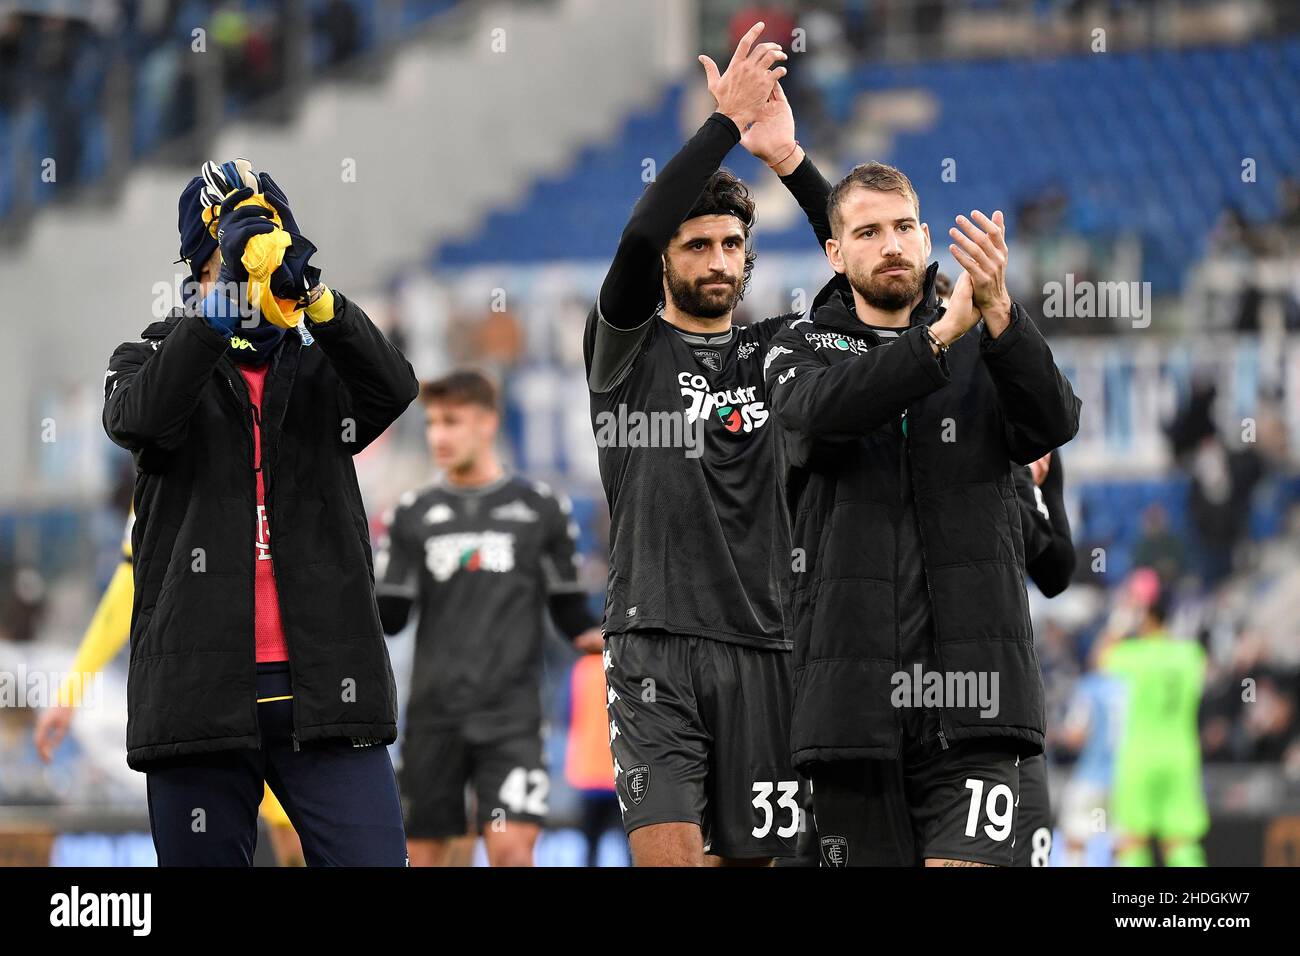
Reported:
(341, 28)
(60, 64)
(23, 595)
(778, 24)
(11, 61)
(1270, 722)
(1159, 548)
(492, 340)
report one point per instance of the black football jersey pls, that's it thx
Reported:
(479, 565)
(698, 539)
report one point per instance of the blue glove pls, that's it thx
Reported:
(296, 277)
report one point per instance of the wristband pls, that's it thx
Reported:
(785, 157)
(943, 349)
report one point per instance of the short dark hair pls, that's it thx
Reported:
(725, 194)
(878, 177)
(464, 386)
(1161, 606)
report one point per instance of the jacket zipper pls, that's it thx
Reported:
(898, 625)
(270, 523)
(252, 457)
(929, 592)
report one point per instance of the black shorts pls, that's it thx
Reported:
(508, 776)
(934, 802)
(699, 730)
(1034, 815)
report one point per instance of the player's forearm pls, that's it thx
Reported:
(394, 610)
(570, 613)
(1039, 406)
(1053, 567)
(1053, 489)
(850, 398)
(631, 288)
(811, 190)
(149, 403)
(378, 376)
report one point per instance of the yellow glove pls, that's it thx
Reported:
(322, 310)
(262, 255)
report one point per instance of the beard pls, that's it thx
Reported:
(692, 299)
(887, 292)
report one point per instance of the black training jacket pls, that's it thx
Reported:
(179, 404)
(840, 401)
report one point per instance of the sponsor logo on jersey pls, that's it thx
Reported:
(745, 349)
(835, 851)
(785, 376)
(469, 551)
(709, 358)
(439, 514)
(837, 342)
(737, 408)
(636, 780)
(514, 511)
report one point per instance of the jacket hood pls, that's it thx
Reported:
(834, 307)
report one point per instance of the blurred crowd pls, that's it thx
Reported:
(1227, 547)
(68, 78)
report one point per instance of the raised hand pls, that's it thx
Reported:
(980, 247)
(961, 314)
(1040, 468)
(236, 225)
(771, 137)
(743, 90)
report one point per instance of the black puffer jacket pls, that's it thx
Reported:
(839, 399)
(180, 405)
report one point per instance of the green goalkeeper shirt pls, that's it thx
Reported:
(1164, 678)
